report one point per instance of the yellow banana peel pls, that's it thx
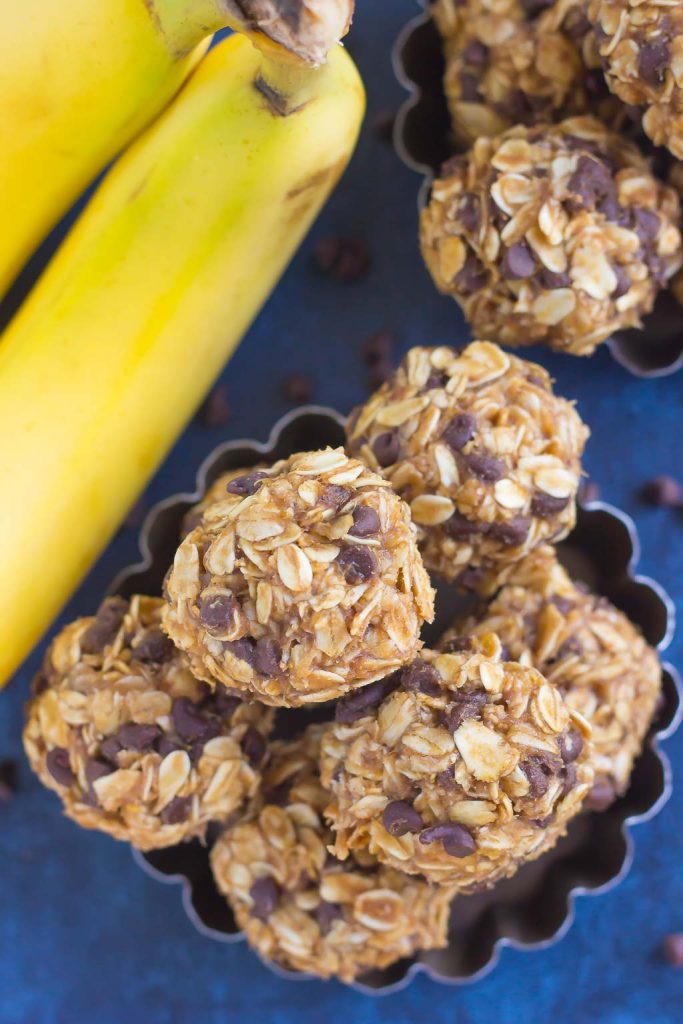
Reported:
(138, 311)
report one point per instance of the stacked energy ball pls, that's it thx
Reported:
(437, 771)
(550, 225)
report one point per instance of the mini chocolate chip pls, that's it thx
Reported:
(297, 388)
(472, 276)
(253, 746)
(365, 522)
(343, 259)
(653, 60)
(563, 604)
(362, 702)
(265, 894)
(57, 763)
(223, 703)
(335, 496)
(96, 769)
(279, 795)
(155, 647)
(242, 649)
(469, 88)
(590, 182)
(518, 262)
(267, 654)
(457, 644)
(510, 533)
(672, 949)
(536, 776)
(663, 491)
(378, 348)
(176, 811)
(571, 745)
(486, 467)
(458, 527)
(326, 914)
(421, 678)
(109, 749)
(601, 796)
(446, 778)
(103, 630)
(358, 564)
(454, 165)
(247, 484)
(400, 817)
(166, 745)
(136, 736)
(457, 840)
(534, 7)
(551, 280)
(475, 53)
(190, 724)
(8, 779)
(469, 212)
(436, 379)
(463, 706)
(387, 448)
(459, 430)
(570, 775)
(215, 411)
(217, 612)
(545, 505)
(646, 224)
(623, 280)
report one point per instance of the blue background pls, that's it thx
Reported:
(86, 937)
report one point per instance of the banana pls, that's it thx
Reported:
(138, 311)
(79, 79)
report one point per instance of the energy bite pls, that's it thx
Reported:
(303, 586)
(460, 767)
(640, 44)
(585, 647)
(515, 62)
(301, 907)
(557, 234)
(132, 743)
(483, 451)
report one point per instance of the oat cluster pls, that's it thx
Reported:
(485, 454)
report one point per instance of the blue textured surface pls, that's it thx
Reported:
(85, 936)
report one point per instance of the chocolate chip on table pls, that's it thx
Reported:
(102, 631)
(246, 485)
(267, 654)
(518, 262)
(672, 949)
(326, 914)
(297, 388)
(378, 348)
(601, 796)
(189, 722)
(265, 894)
(421, 678)
(253, 746)
(215, 411)
(653, 60)
(485, 467)
(344, 259)
(400, 817)
(217, 611)
(457, 840)
(383, 125)
(361, 702)
(459, 430)
(663, 491)
(512, 532)
(571, 745)
(154, 646)
(57, 763)
(8, 779)
(365, 522)
(177, 811)
(387, 448)
(357, 563)
(463, 706)
(543, 506)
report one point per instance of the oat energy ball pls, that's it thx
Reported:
(487, 457)
(303, 908)
(303, 586)
(557, 234)
(513, 63)
(133, 744)
(459, 767)
(588, 649)
(641, 47)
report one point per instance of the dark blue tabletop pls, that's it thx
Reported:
(86, 937)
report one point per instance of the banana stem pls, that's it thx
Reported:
(286, 83)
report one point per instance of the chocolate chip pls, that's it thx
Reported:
(454, 165)
(458, 527)
(247, 484)
(365, 522)
(8, 779)
(446, 778)
(96, 769)
(167, 745)
(563, 604)
(106, 625)
(672, 949)
(591, 181)
(387, 448)
(486, 467)
(510, 533)
(57, 763)
(550, 279)
(344, 259)
(265, 894)
(335, 496)
(623, 280)
(217, 612)
(267, 654)
(189, 722)
(469, 578)
(663, 491)
(457, 644)
(297, 388)
(463, 706)
(536, 776)
(518, 262)
(469, 212)
(457, 840)
(534, 7)
(472, 275)
(136, 736)
(653, 60)
(545, 505)
(378, 348)
(215, 411)
(326, 914)
(242, 649)
(383, 125)
(253, 746)
(469, 88)
(109, 749)
(421, 678)
(155, 647)
(362, 702)
(459, 430)
(176, 811)
(571, 745)
(436, 379)
(570, 776)
(279, 795)
(223, 703)
(358, 564)
(475, 53)
(400, 817)
(646, 224)
(601, 795)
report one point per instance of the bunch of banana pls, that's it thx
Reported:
(152, 290)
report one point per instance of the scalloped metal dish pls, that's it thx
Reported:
(422, 138)
(537, 906)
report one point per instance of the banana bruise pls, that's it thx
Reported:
(140, 308)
